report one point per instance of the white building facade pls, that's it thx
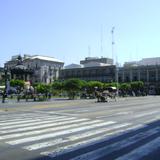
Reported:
(45, 69)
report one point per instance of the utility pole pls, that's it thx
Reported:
(116, 61)
(113, 43)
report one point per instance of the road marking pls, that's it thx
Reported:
(13, 117)
(28, 123)
(82, 111)
(43, 130)
(145, 114)
(69, 121)
(85, 143)
(78, 136)
(124, 113)
(24, 120)
(85, 126)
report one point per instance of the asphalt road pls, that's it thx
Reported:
(126, 129)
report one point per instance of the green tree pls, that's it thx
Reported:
(137, 85)
(16, 83)
(113, 84)
(73, 87)
(43, 88)
(94, 85)
(125, 86)
(57, 87)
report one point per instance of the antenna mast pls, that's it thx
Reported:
(113, 43)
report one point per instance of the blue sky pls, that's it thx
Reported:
(65, 28)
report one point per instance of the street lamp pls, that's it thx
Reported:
(6, 77)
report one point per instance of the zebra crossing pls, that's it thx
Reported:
(69, 137)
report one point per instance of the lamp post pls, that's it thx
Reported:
(6, 76)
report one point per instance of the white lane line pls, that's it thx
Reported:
(75, 137)
(8, 118)
(62, 113)
(85, 126)
(142, 151)
(16, 119)
(88, 142)
(124, 113)
(152, 120)
(68, 121)
(82, 111)
(48, 120)
(43, 130)
(17, 122)
(115, 114)
(99, 153)
(145, 114)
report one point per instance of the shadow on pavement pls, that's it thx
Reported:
(122, 150)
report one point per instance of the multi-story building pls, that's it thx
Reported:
(96, 73)
(149, 74)
(98, 69)
(131, 71)
(144, 62)
(35, 68)
(146, 70)
(97, 60)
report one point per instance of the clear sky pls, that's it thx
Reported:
(65, 28)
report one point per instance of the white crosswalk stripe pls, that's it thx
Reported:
(43, 133)
(73, 138)
(85, 125)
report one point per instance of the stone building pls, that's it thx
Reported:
(131, 71)
(98, 69)
(149, 74)
(146, 70)
(35, 68)
(94, 73)
(97, 60)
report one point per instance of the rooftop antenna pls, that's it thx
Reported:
(113, 43)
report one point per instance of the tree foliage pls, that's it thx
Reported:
(72, 86)
(17, 83)
(125, 86)
(138, 85)
(57, 85)
(94, 85)
(43, 88)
